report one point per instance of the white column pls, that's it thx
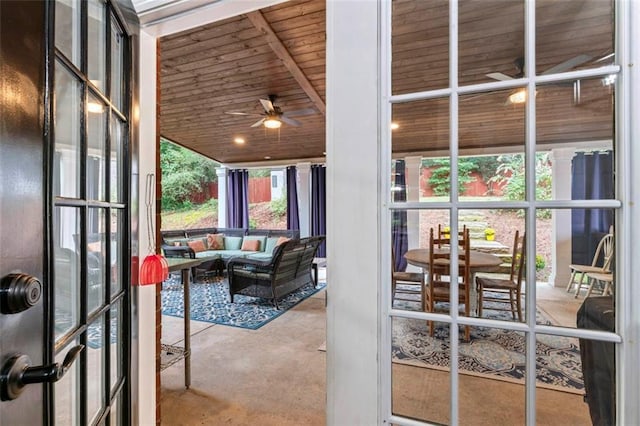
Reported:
(303, 181)
(353, 214)
(221, 172)
(561, 218)
(412, 165)
(145, 366)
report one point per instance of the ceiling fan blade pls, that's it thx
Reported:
(290, 121)
(258, 123)
(467, 98)
(300, 112)
(267, 105)
(568, 64)
(241, 113)
(499, 76)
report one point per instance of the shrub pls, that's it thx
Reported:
(540, 262)
(511, 173)
(279, 206)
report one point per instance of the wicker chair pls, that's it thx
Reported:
(289, 269)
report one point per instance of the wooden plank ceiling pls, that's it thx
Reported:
(230, 65)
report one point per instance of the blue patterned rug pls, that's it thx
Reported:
(490, 352)
(210, 303)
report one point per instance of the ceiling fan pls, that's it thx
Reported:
(518, 96)
(561, 67)
(273, 117)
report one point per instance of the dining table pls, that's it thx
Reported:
(478, 261)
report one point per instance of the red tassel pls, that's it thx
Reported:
(154, 270)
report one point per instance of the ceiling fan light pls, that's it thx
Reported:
(518, 97)
(272, 123)
(394, 125)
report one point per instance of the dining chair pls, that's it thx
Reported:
(443, 234)
(605, 281)
(604, 249)
(439, 282)
(413, 283)
(503, 290)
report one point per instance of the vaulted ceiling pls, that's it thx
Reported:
(229, 65)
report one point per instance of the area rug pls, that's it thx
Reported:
(210, 303)
(492, 353)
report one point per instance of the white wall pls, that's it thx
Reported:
(352, 213)
(277, 191)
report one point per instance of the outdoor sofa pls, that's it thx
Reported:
(231, 242)
(289, 269)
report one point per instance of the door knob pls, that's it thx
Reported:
(19, 292)
(17, 372)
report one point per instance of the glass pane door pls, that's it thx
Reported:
(91, 212)
(502, 207)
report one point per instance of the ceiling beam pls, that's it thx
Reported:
(261, 24)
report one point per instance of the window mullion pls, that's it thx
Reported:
(530, 223)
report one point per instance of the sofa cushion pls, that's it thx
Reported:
(228, 254)
(272, 242)
(259, 256)
(232, 243)
(208, 254)
(261, 238)
(215, 241)
(250, 245)
(197, 245)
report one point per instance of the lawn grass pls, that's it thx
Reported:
(192, 218)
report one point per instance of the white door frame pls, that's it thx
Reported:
(351, 144)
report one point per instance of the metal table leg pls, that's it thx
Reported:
(187, 328)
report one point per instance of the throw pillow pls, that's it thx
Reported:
(215, 241)
(282, 240)
(250, 245)
(197, 245)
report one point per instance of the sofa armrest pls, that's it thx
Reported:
(178, 251)
(254, 265)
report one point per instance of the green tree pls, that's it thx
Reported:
(441, 168)
(511, 174)
(259, 173)
(183, 172)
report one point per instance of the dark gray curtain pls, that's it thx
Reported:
(293, 219)
(238, 199)
(592, 179)
(318, 205)
(399, 217)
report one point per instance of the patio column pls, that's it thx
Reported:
(221, 172)
(561, 218)
(304, 198)
(412, 165)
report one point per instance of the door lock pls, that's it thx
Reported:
(19, 292)
(17, 372)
